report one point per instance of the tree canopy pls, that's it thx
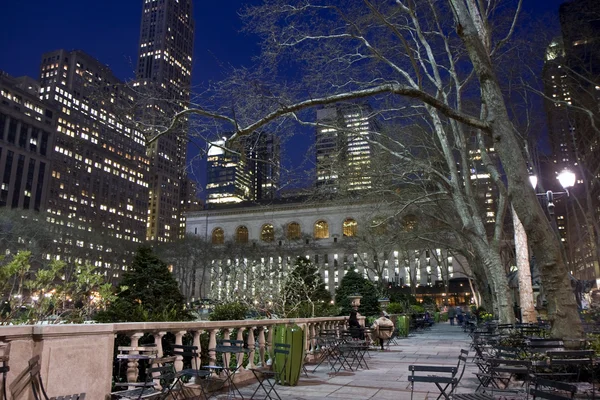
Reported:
(148, 292)
(352, 283)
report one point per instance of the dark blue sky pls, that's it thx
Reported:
(109, 31)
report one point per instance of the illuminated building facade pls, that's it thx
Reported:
(99, 187)
(343, 148)
(164, 72)
(27, 131)
(255, 247)
(571, 74)
(249, 172)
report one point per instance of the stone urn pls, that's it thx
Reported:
(384, 303)
(355, 300)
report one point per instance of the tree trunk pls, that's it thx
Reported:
(497, 279)
(562, 308)
(528, 313)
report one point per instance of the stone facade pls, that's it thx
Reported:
(335, 237)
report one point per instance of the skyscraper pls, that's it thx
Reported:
(343, 148)
(98, 191)
(27, 131)
(250, 171)
(164, 72)
(571, 75)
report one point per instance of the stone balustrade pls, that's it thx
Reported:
(79, 358)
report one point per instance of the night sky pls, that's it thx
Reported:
(109, 31)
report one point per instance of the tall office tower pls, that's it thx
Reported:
(264, 152)
(98, 196)
(250, 171)
(230, 178)
(164, 73)
(27, 130)
(557, 89)
(580, 65)
(580, 25)
(344, 151)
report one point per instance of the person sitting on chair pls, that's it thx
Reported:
(383, 321)
(354, 326)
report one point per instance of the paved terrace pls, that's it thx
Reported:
(387, 376)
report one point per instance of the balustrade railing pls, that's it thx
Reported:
(256, 334)
(87, 352)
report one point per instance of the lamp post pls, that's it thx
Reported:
(567, 180)
(528, 314)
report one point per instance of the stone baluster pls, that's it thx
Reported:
(251, 347)
(226, 356)
(239, 357)
(261, 345)
(197, 362)
(269, 344)
(158, 342)
(212, 344)
(307, 336)
(313, 337)
(132, 365)
(179, 341)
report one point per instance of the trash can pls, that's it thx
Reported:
(403, 325)
(294, 336)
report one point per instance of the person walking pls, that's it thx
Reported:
(459, 315)
(451, 314)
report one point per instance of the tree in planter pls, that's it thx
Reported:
(148, 292)
(351, 284)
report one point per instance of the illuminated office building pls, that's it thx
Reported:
(164, 71)
(250, 171)
(98, 191)
(27, 131)
(343, 148)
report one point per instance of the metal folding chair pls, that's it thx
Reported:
(30, 378)
(201, 377)
(272, 375)
(446, 380)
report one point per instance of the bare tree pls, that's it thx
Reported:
(436, 58)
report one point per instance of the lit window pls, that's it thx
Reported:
(218, 236)
(409, 223)
(321, 230)
(241, 234)
(293, 231)
(350, 227)
(267, 233)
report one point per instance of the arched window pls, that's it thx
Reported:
(409, 223)
(241, 234)
(218, 236)
(321, 230)
(293, 231)
(267, 233)
(350, 227)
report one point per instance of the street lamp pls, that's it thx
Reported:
(566, 179)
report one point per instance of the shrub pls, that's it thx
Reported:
(351, 283)
(229, 312)
(417, 309)
(395, 308)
